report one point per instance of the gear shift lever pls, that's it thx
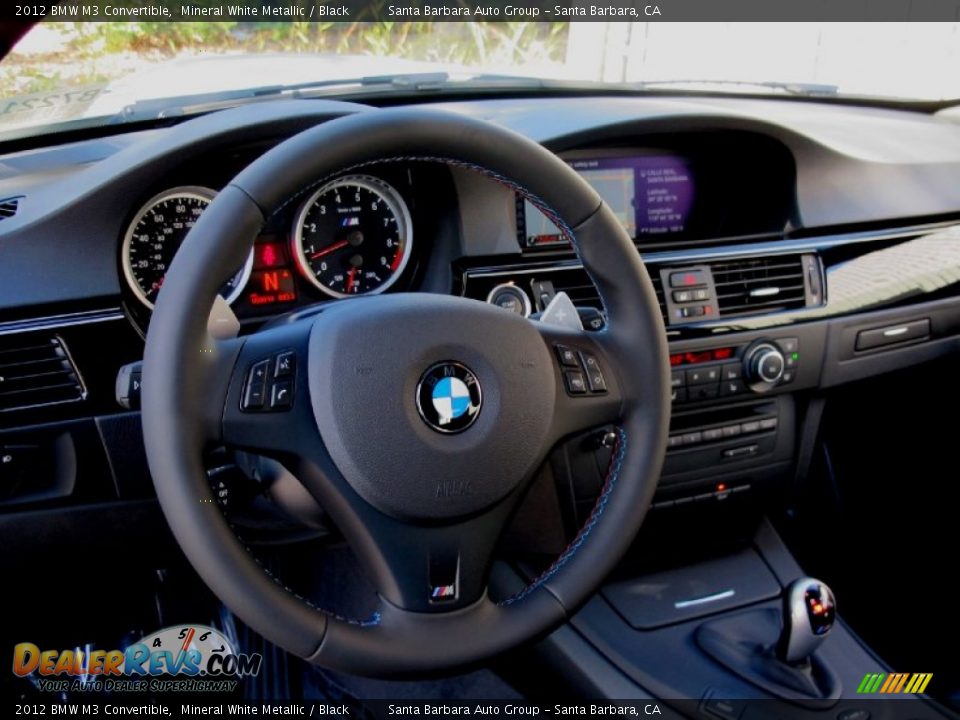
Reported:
(809, 610)
(786, 667)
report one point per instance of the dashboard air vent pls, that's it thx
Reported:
(36, 370)
(575, 283)
(759, 285)
(9, 207)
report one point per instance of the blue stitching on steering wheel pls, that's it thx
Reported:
(613, 473)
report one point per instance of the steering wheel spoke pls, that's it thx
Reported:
(416, 567)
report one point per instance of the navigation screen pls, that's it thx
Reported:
(650, 194)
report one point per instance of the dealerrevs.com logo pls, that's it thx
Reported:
(188, 658)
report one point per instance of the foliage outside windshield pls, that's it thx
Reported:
(68, 71)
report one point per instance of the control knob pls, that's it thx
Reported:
(764, 364)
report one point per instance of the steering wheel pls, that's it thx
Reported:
(416, 420)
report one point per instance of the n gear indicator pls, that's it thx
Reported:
(268, 287)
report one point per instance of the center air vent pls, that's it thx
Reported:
(9, 207)
(36, 370)
(760, 285)
(577, 285)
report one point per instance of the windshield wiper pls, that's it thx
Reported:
(792, 88)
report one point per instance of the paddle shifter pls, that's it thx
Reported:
(808, 614)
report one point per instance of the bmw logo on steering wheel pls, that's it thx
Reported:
(448, 397)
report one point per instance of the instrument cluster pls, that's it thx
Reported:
(352, 236)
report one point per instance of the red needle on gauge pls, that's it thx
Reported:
(329, 249)
(351, 273)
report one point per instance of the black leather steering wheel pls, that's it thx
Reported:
(422, 509)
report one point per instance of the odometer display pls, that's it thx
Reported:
(353, 236)
(155, 235)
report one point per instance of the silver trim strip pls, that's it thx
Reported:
(54, 322)
(786, 246)
(681, 604)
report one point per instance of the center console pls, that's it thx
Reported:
(703, 640)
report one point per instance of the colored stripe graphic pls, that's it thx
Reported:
(894, 683)
(918, 683)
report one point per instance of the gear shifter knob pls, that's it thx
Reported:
(808, 614)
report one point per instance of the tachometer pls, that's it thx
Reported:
(154, 236)
(353, 236)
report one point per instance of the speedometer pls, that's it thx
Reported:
(155, 235)
(353, 236)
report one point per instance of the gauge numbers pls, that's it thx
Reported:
(155, 235)
(352, 236)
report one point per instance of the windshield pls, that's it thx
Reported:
(69, 74)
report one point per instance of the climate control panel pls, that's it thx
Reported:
(761, 366)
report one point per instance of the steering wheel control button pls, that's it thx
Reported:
(254, 396)
(567, 356)
(259, 372)
(265, 390)
(281, 395)
(255, 393)
(595, 379)
(449, 397)
(286, 362)
(576, 383)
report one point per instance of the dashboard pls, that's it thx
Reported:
(355, 234)
(794, 246)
